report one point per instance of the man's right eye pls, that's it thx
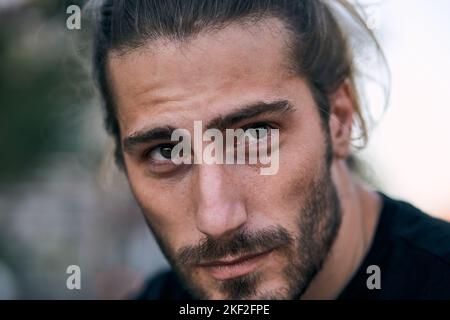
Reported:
(158, 160)
(161, 153)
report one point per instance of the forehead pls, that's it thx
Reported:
(167, 82)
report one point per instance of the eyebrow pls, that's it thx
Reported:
(138, 138)
(253, 110)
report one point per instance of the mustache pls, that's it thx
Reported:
(241, 243)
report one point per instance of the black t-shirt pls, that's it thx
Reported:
(410, 248)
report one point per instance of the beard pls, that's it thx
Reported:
(317, 224)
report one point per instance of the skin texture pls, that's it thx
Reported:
(323, 218)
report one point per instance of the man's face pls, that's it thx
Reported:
(227, 230)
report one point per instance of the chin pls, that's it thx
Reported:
(269, 290)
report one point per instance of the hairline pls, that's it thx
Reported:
(290, 61)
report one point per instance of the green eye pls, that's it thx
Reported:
(161, 153)
(166, 152)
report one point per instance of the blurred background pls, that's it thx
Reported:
(63, 203)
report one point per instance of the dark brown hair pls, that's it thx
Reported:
(320, 47)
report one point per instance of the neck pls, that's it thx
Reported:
(360, 209)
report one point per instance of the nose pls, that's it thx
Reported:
(220, 210)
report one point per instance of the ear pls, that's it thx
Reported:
(340, 121)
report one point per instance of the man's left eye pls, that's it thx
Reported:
(258, 130)
(160, 153)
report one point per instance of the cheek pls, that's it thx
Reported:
(278, 199)
(167, 208)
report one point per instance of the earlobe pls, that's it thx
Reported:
(340, 121)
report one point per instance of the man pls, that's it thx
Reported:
(311, 230)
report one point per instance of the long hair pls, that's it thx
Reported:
(321, 51)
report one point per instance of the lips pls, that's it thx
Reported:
(229, 268)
